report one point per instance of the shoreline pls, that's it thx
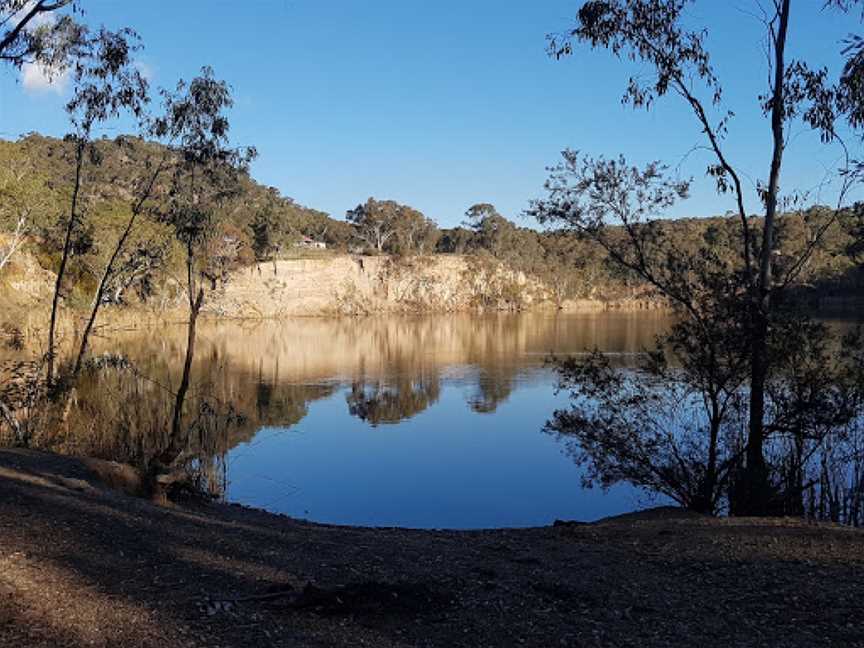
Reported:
(81, 564)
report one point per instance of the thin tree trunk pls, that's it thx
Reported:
(164, 471)
(709, 486)
(61, 271)
(109, 269)
(756, 486)
(187, 371)
(175, 443)
(99, 294)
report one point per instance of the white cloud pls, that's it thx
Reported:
(41, 20)
(145, 70)
(36, 78)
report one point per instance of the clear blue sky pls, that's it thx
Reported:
(441, 104)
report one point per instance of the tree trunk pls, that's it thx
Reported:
(187, 371)
(162, 471)
(109, 268)
(755, 489)
(794, 496)
(64, 259)
(99, 294)
(706, 499)
(176, 443)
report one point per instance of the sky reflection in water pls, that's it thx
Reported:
(438, 427)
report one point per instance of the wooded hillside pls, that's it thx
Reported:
(257, 223)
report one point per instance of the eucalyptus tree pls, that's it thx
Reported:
(457, 240)
(416, 234)
(375, 222)
(46, 34)
(492, 231)
(106, 84)
(387, 225)
(262, 227)
(618, 205)
(206, 172)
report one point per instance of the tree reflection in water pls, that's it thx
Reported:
(494, 387)
(380, 401)
(249, 376)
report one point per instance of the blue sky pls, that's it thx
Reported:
(443, 104)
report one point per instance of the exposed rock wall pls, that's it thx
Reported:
(362, 285)
(329, 286)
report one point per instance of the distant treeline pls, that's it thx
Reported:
(258, 224)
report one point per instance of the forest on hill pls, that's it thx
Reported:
(255, 223)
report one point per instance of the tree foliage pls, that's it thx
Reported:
(106, 84)
(43, 33)
(619, 206)
(387, 226)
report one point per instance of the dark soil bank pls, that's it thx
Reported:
(81, 565)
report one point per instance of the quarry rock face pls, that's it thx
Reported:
(362, 285)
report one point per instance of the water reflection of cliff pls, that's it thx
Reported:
(271, 371)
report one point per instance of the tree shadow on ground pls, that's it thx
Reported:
(91, 567)
(180, 562)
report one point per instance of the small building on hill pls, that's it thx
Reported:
(310, 244)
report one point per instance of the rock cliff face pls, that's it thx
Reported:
(329, 286)
(362, 285)
(25, 291)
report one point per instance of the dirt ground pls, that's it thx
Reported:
(81, 565)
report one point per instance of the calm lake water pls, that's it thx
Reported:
(432, 422)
